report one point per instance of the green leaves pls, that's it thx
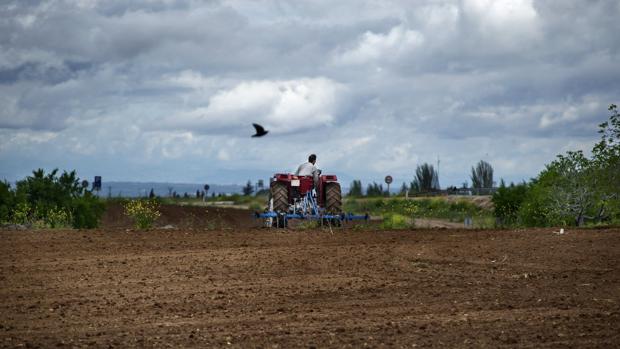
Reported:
(50, 200)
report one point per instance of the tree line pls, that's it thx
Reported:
(574, 189)
(426, 180)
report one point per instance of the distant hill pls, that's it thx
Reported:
(137, 189)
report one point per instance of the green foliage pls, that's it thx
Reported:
(507, 202)
(144, 212)
(482, 175)
(58, 218)
(356, 189)
(395, 221)
(375, 190)
(87, 211)
(7, 201)
(20, 213)
(606, 166)
(426, 179)
(254, 206)
(46, 191)
(49, 200)
(571, 190)
(533, 211)
(562, 194)
(420, 207)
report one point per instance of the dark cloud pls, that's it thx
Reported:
(166, 77)
(39, 72)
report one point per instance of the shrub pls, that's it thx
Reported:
(87, 211)
(7, 201)
(21, 213)
(143, 212)
(49, 200)
(58, 218)
(395, 221)
(507, 201)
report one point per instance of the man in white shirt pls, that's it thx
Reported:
(309, 169)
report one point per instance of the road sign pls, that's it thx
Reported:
(388, 179)
(97, 183)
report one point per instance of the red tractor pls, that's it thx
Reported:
(300, 197)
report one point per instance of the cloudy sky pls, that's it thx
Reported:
(167, 90)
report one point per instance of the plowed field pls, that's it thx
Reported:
(231, 286)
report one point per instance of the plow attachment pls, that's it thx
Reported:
(305, 209)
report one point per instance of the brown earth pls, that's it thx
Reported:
(196, 286)
(195, 217)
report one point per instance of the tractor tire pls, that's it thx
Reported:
(279, 194)
(333, 198)
(333, 203)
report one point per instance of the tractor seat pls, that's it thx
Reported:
(306, 184)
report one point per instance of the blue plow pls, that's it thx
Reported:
(307, 209)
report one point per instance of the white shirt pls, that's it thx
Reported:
(307, 169)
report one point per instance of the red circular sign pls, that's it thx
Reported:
(388, 179)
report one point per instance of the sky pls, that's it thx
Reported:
(167, 90)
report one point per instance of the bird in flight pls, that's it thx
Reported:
(260, 130)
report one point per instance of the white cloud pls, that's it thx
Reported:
(371, 47)
(507, 15)
(281, 106)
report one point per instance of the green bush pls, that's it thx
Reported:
(57, 218)
(20, 214)
(143, 212)
(427, 207)
(7, 201)
(87, 211)
(50, 200)
(395, 221)
(507, 201)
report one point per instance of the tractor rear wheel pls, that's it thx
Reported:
(333, 198)
(279, 195)
(333, 203)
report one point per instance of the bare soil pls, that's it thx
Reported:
(237, 286)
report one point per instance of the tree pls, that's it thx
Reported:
(356, 189)
(426, 178)
(563, 193)
(375, 189)
(482, 175)
(403, 189)
(572, 186)
(414, 187)
(7, 201)
(606, 165)
(248, 189)
(151, 193)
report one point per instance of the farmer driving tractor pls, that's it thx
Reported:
(309, 169)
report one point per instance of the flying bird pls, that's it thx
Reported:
(260, 130)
